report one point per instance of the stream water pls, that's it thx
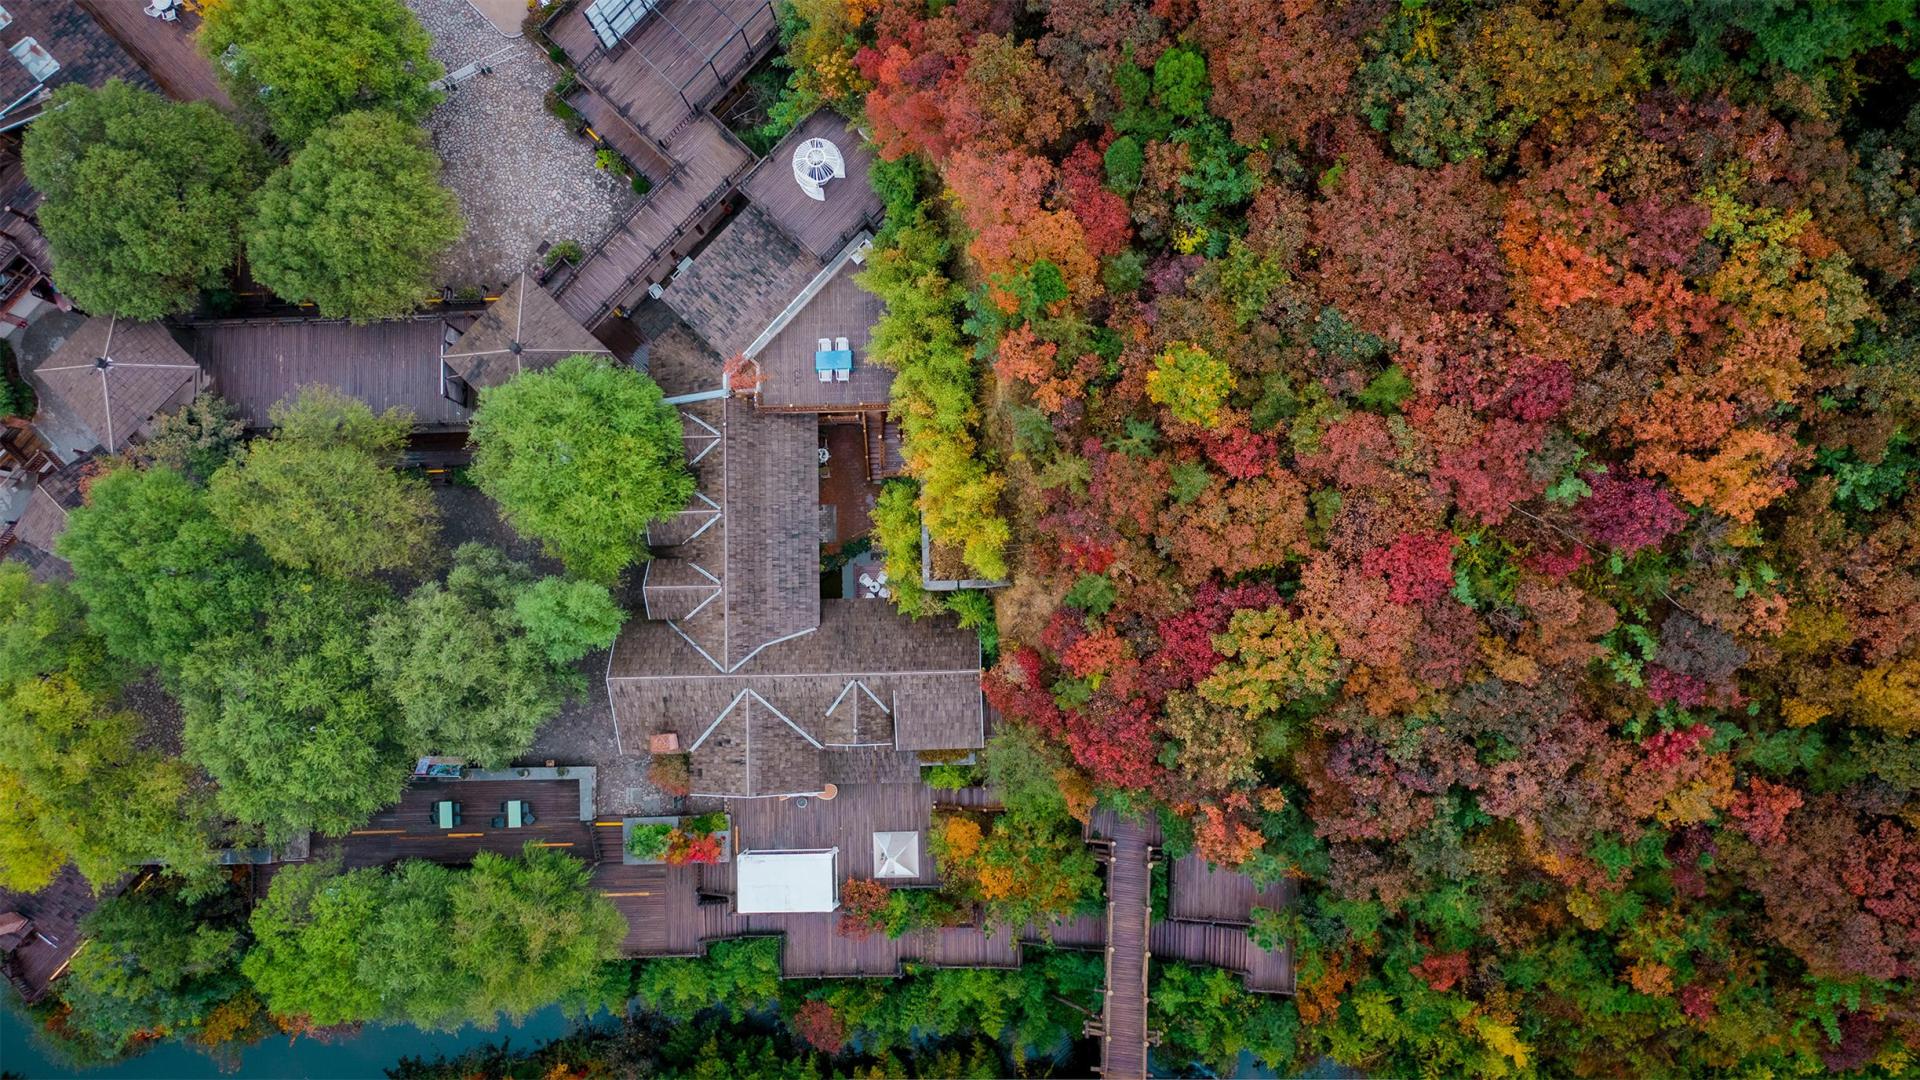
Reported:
(367, 1055)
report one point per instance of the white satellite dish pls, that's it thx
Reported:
(815, 162)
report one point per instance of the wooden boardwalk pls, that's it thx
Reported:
(1200, 892)
(1226, 947)
(680, 911)
(648, 98)
(664, 228)
(614, 130)
(1123, 1040)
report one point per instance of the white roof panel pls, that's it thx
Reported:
(784, 882)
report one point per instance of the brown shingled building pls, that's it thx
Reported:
(115, 376)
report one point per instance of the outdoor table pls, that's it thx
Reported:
(445, 810)
(513, 813)
(833, 360)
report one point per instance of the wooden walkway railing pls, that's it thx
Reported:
(1123, 1043)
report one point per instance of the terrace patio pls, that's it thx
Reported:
(410, 830)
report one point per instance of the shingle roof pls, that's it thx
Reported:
(742, 279)
(525, 329)
(392, 364)
(47, 514)
(82, 47)
(863, 688)
(116, 375)
(752, 527)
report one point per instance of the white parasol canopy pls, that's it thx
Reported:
(896, 854)
(815, 162)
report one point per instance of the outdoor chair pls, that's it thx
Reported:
(526, 815)
(500, 823)
(840, 374)
(826, 344)
(825, 375)
(841, 344)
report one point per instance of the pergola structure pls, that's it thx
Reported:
(116, 376)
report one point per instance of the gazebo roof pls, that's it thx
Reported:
(524, 328)
(115, 376)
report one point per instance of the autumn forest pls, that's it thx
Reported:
(1457, 456)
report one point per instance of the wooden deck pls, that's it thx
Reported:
(847, 822)
(258, 362)
(165, 49)
(1123, 1042)
(676, 63)
(841, 309)
(822, 226)
(1200, 892)
(408, 831)
(666, 225)
(648, 97)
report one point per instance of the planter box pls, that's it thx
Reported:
(626, 831)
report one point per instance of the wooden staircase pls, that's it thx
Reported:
(606, 842)
(883, 446)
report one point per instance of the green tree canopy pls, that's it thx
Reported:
(158, 571)
(144, 197)
(289, 717)
(741, 976)
(433, 946)
(531, 931)
(568, 619)
(471, 677)
(582, 457)
(356, 220)
(155, 961)
(195, 439)
(309, 933)
(74, 784)
(304, 62)
(322, 492)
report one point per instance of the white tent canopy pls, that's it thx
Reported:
(781, 882)
(896, 854)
